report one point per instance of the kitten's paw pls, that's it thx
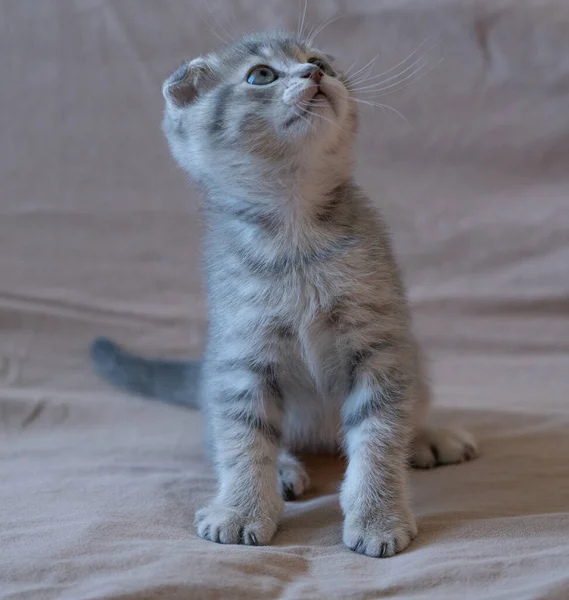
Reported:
(226, 525)
(435, 446)
(380, 536)
(293, 478)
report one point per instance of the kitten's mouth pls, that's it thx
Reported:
(309, 107)
(322, 99)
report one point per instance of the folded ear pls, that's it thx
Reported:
(181, 88)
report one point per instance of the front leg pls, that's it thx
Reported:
(378, 521)
(245, 419)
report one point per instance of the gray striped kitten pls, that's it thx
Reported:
(309, 346)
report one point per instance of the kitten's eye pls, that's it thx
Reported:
(322, 65)
(318, 62)
(261, 76)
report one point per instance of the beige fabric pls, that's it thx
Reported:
(99, 234)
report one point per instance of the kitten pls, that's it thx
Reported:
(309, 345)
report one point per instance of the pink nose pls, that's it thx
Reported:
(312, 72)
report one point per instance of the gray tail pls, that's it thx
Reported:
(175, 382)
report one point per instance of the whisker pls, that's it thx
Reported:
(350, 68)
(383, 106)
(311, 125)
(315, 33)
(218, 23)
(302, 19)
(297, 114)
(397, 75)
(378, 87)
(425, 72)
(312, 29)
(368, 64)
(328, 120)
(212, 30)
(401, 62)
(301, 104)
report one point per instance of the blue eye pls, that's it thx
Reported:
(323, 66)
(261, 76)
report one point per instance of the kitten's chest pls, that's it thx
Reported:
(308, 306)
(263, 288)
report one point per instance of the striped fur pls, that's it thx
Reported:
(309, 345)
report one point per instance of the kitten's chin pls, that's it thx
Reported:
(319, 122)
(324, 99)
(312, 117)
(328, 108)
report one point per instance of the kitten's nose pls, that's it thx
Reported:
(312, 72)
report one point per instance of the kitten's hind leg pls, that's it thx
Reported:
(293, 477)
(436, 446)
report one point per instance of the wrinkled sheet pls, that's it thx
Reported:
(99, 233)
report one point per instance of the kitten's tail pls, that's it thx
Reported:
(175, 382)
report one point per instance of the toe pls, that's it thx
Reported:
(226, 525)
(441, 446)
(294, 482)
(288, 492)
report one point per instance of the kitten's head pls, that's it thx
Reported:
(264, 104)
